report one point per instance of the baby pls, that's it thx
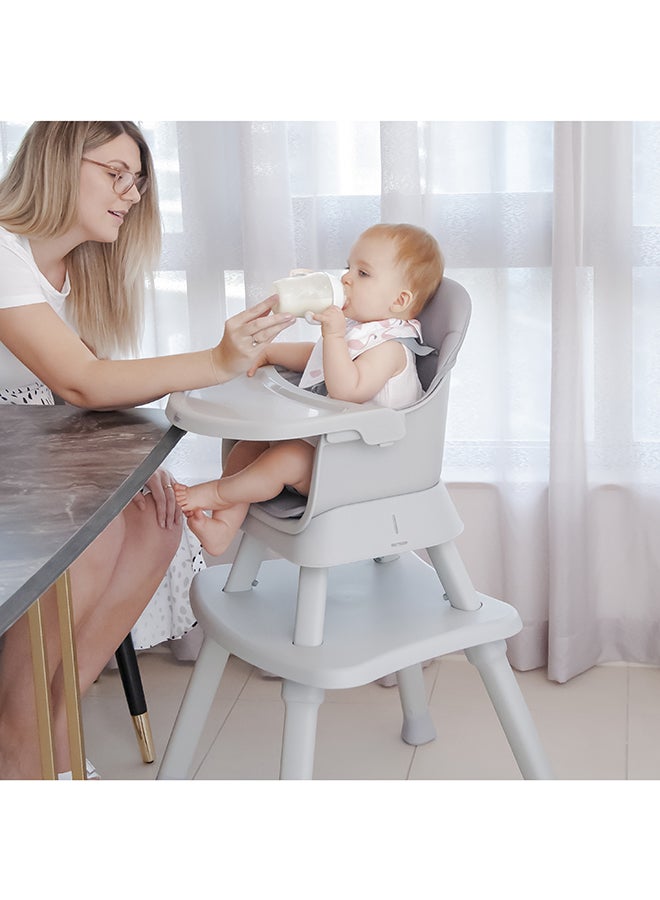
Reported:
(393, 270)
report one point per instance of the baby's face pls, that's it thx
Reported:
(373, 279)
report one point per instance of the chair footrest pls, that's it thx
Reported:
(379, 618)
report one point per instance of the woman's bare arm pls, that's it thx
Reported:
(50, 349)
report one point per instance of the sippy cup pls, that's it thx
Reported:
(303, 295)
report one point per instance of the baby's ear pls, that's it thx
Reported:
(402, 303)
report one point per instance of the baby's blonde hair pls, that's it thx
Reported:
(39, 198)
(422, 260)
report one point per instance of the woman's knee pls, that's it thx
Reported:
(144, 531)
(92, 571)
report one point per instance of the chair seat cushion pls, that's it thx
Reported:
(288, 504)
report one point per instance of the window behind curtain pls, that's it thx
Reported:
(487, 194)
(646, 281)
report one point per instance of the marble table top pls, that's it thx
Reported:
(64, 475)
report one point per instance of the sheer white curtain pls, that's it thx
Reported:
(553, 453)
(604, 485)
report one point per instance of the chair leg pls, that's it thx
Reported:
(194, 711)
(245, 568)
(137, 705)
(310, 606)
(506, 696)
(453, 576)
(301, 703)
(418, 727)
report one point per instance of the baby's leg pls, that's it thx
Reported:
(283, 463)
(207, 495)
(217, 532)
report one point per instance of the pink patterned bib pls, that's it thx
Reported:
(361, 336)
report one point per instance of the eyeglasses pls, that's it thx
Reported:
(124, 181)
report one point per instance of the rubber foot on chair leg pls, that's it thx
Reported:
(418, 730)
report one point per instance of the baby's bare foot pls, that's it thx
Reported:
(214, 534)
(181, 494)
(199, 496)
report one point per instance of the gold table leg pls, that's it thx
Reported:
(71, 683)
(41, 690)
(70, 674)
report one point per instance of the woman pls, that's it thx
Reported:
(79, 231)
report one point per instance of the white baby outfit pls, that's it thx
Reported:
(401, 390)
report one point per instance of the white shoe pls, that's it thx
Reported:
(92, 774)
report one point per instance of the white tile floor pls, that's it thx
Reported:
(381, 819)
(604, 724)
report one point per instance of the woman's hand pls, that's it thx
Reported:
(241, 346)
(159, 485)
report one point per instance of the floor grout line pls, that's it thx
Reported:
(223, 721)
(626, 736)
(617, 752)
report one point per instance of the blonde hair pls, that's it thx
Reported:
(39, 198)
(422, 260)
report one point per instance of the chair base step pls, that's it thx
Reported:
(379, 619)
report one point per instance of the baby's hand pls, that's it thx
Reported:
(332, 321)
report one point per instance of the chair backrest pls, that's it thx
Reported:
(444, 321)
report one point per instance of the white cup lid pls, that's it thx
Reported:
(337, 291)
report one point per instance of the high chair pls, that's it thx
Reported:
(348, 601)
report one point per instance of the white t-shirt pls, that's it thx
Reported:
(21, 284)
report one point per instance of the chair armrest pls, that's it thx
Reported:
(266, 407)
